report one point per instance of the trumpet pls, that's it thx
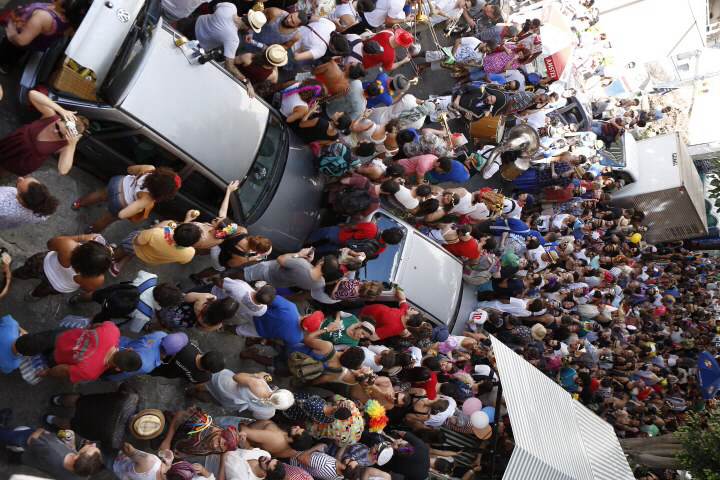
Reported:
(451, 25)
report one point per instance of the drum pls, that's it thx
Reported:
(488, 130)
(510, 171)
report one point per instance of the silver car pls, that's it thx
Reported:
(159, 107)
(430, 276)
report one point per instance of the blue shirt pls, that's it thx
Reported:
(9, 332)
(384, 99)
(457, 174)
(148, 347)
(281, 321)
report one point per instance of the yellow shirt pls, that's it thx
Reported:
(153, 248)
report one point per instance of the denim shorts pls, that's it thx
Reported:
(116, 199)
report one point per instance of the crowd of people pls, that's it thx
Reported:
(359, 383)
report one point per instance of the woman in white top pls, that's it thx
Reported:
(134, 464)
(73, 263)
(132, 196)
(297, 98)
(243, 391)
(27, 203)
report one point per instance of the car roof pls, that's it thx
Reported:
(200, 109)
(430, 276)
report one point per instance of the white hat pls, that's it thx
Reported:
(282, 399)
(538, 332)
(256, 20)
(478, 317)
(385, 453)
(276, 55)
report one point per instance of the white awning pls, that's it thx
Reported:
(556, 437)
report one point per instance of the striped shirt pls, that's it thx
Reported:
(321, 466)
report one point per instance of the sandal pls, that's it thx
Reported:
(56, 400)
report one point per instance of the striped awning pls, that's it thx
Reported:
(556, 437)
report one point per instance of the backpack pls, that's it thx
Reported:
(351, 201)
(305, 368)
(336, 160)
(117, 301)
(369, 246)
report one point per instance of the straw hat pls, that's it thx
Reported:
(276, 55)
(147, 424)
(538, 332)
(256, 20)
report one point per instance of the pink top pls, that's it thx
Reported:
(418, 165)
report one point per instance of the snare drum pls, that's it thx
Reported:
(488, 130)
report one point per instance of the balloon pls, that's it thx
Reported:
(635, 238)
(490, 412)
(479, 419)
(471, 405)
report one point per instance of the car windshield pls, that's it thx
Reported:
(383, 268)
(256, 188)
(134, 44)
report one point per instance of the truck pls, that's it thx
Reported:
(660, 180)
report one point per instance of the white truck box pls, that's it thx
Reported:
(667, 188)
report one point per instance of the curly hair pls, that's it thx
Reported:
(161, 184)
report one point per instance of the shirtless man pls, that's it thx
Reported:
(266, 435)
(380, 390)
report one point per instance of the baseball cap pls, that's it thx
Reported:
(312, 322)
(403, 38)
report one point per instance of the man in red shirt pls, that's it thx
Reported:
(361, 237)
(461, 244)
(389, 322)
(81, 354)
(389, 40)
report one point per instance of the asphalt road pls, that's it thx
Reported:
(30, 402)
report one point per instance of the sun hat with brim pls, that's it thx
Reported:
(256, 20)
(276, 55)
(403, 38)
(400, 83)
(538, 332)
(147, 424)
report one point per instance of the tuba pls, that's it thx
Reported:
(520, 138)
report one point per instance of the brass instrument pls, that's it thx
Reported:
(451, 25)
(442, 118)
(521, 138)
(259, 6)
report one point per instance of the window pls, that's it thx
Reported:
(265, 171)
(383, 268)
(204, 191)
(141, 150)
